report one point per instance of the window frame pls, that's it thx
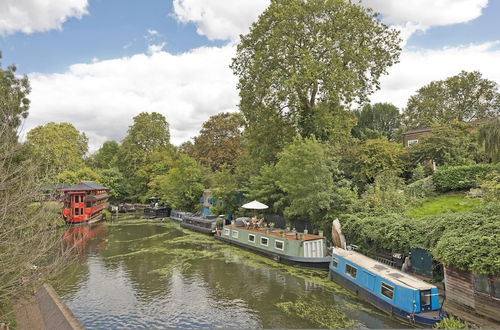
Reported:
(233, 232)
(388, 287)
(335, 262)
(251, 235)
(226, 232)
(267, 241)
(348, 273)
(411, 142)
(282, 244)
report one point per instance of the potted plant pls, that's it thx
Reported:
(271, 225)
(282, 233)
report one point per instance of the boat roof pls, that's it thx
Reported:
(200, 219)
(85, 185)
(383, 270)
(290, 235)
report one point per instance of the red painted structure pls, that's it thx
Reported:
(84, 202)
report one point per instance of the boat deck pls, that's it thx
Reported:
(276, 233)
(383, 270)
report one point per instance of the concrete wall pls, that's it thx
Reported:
(55, 314)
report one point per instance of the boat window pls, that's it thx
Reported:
(264, 241)
(77, 211)
(335, 262)
(81, 211)
(425, 298)
(88, 204)
(387, 290)
(351, 271)
(235, 234)
(279, 245)
(481, 284)
(77, 199)
(496, 288)
(226, 231)
(251, 238)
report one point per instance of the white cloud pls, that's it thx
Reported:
(220, 19)
(102, 98)
(30, 16)
(418, 68)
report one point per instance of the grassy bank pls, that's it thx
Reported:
(444, 204)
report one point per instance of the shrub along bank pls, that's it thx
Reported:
(462, 177)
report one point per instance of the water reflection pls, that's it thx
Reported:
(147, 274)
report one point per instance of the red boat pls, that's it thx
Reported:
(84, 202)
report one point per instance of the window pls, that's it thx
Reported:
(88, 204)
(351, 271)
(77, 211)
(226, 231)
(387, 290)
(280, 245)
(425, 298)
(234, 234)
(481, 284)
(77, 199)
(335, 262)
(251, 238)
(410, 142)
(264, 241)
(81, 211)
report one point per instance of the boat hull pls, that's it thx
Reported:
(203, 230)
(316, 263)
(416, 319)
(92, 220)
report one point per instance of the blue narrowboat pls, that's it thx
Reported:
(389, 289)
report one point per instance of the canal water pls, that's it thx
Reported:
(150, 274)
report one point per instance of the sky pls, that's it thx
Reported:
(99, 63)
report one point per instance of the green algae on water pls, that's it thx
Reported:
(322, 315)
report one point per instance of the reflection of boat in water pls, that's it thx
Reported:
(288, 247)
(84, 202)
(79, 237)
(155, 210)
(389, 289)
(179, 215)
(201, 224)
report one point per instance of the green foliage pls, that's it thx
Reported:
(489, 138)
(444, 204)
(83, 174)
(219, 142)
(418, 173)
(464, 98)
(182, 186)
(265, 188)
(113, 179)
(385, 195)
(14, 102)
(373, 157)
(462, 177)
(56, 148)
(421, 188)
(448, 146)
(299, 62)
(450, 323)
(376, 121)
(106, 156)
(226, 192)
(490, 186)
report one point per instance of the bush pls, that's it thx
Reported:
(461, 177)
(451, 323)
(421, 188)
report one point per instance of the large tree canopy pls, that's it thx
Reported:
(56, 148)
(14, 103)
(489, 138)
(375, 121)
(219, 142)
(464, 97)
(303, 53)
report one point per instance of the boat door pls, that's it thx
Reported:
(425, 301)
(313, 249)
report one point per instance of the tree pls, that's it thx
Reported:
(226, 192)
(489, 139)
(464, 97)
(113, 179)
(73, 177)
(106, 156)
(182, 186)
(14, 102)
(450, 146)
(301, 54)
(384, 195)
(219, 142)
(148, 134)
(375, 156)
(56, 148)
(375, 121)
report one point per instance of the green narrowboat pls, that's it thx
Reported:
(288, 247)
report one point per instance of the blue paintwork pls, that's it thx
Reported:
(405, 302)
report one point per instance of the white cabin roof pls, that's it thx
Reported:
(384, 271)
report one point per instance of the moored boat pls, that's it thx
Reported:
(84, 202)
(201, 224)
(288, 247)
(179, 215)
(155, 210)
(387, 288)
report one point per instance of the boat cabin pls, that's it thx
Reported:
(84, 202)
(202, 224)
(388, 288)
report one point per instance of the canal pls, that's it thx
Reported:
(147, 274)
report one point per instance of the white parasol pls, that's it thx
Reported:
(254, 205)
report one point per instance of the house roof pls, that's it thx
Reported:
(85, 185)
